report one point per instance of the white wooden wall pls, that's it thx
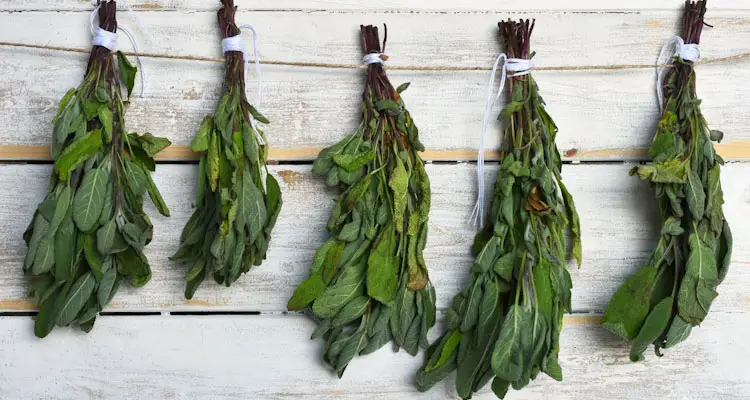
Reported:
(156, 345)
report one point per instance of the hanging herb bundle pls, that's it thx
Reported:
(88, 234)
(368, 284)
(505, 325)
(664, 300)
(230, 230)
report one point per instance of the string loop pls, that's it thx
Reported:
(689, 52)
(518, 67)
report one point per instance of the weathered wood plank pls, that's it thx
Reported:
(383, 5)
(271, 357)
(618, 214)
(601, 115)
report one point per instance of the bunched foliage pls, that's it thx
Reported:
(368, 284)
(662, 302)
(89, 233)
(238, 201)
(505, 325)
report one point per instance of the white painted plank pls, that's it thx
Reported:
(271, 357)
(602, 115)
(618, 217)
(381, 5)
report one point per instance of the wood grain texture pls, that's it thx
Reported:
(602, 115)
(382, 5)
(271, 357)
(618, 218)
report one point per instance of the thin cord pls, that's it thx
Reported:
(736, 57)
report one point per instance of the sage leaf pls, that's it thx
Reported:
(89, 199)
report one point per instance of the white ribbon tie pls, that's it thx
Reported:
(689, 52)
(373, 58)
(107, 39)
(517, 67)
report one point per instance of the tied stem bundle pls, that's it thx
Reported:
(664, 300)
(89, 233)
(505, 325)
(368, 284)
(230, 230)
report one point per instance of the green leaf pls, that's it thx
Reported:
(679, 330)
(253, 206)
(89, 199)
(127, 72)
(61, 209)
(250, 143)
(652, 329)
(76, 298)
(383, 105)
(106, 286)
(446, 351)
(200, 141)
(672, 226)
(155, 195)
(383, 268)
(696, 197)
(257, 115)
(45, 256)
(93, 258)
(697, 289)
(574, 220)
(105, 117)
(309, 290)
(716, 136)
(151, 144)
(133, 266)
(77, 153)
(273, 201)
(351, 311)
(398, 183)
(629, 306)
(670, 171)
(402, 87)
(64, 102)
(105, 237)
(354, 162)
(336, 296)
(507, 358)
(65, 249)
(504, 266)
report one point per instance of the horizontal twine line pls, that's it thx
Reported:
(735, 57)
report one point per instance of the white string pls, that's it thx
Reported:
(519, 67)
(107, 39)
(374, 58)
(236, 43)
(689, 52)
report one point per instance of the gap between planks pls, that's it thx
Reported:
(22, 308)
(738, 150)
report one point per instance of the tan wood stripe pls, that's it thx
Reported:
(739, 150)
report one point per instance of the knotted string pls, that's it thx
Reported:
(518, 67)
(107, 39)
(689, 52)
(236, 43)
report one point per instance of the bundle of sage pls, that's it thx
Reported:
(90, 231)
(664, 300)
(368, 283)
(505, 325)
(230, 230)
